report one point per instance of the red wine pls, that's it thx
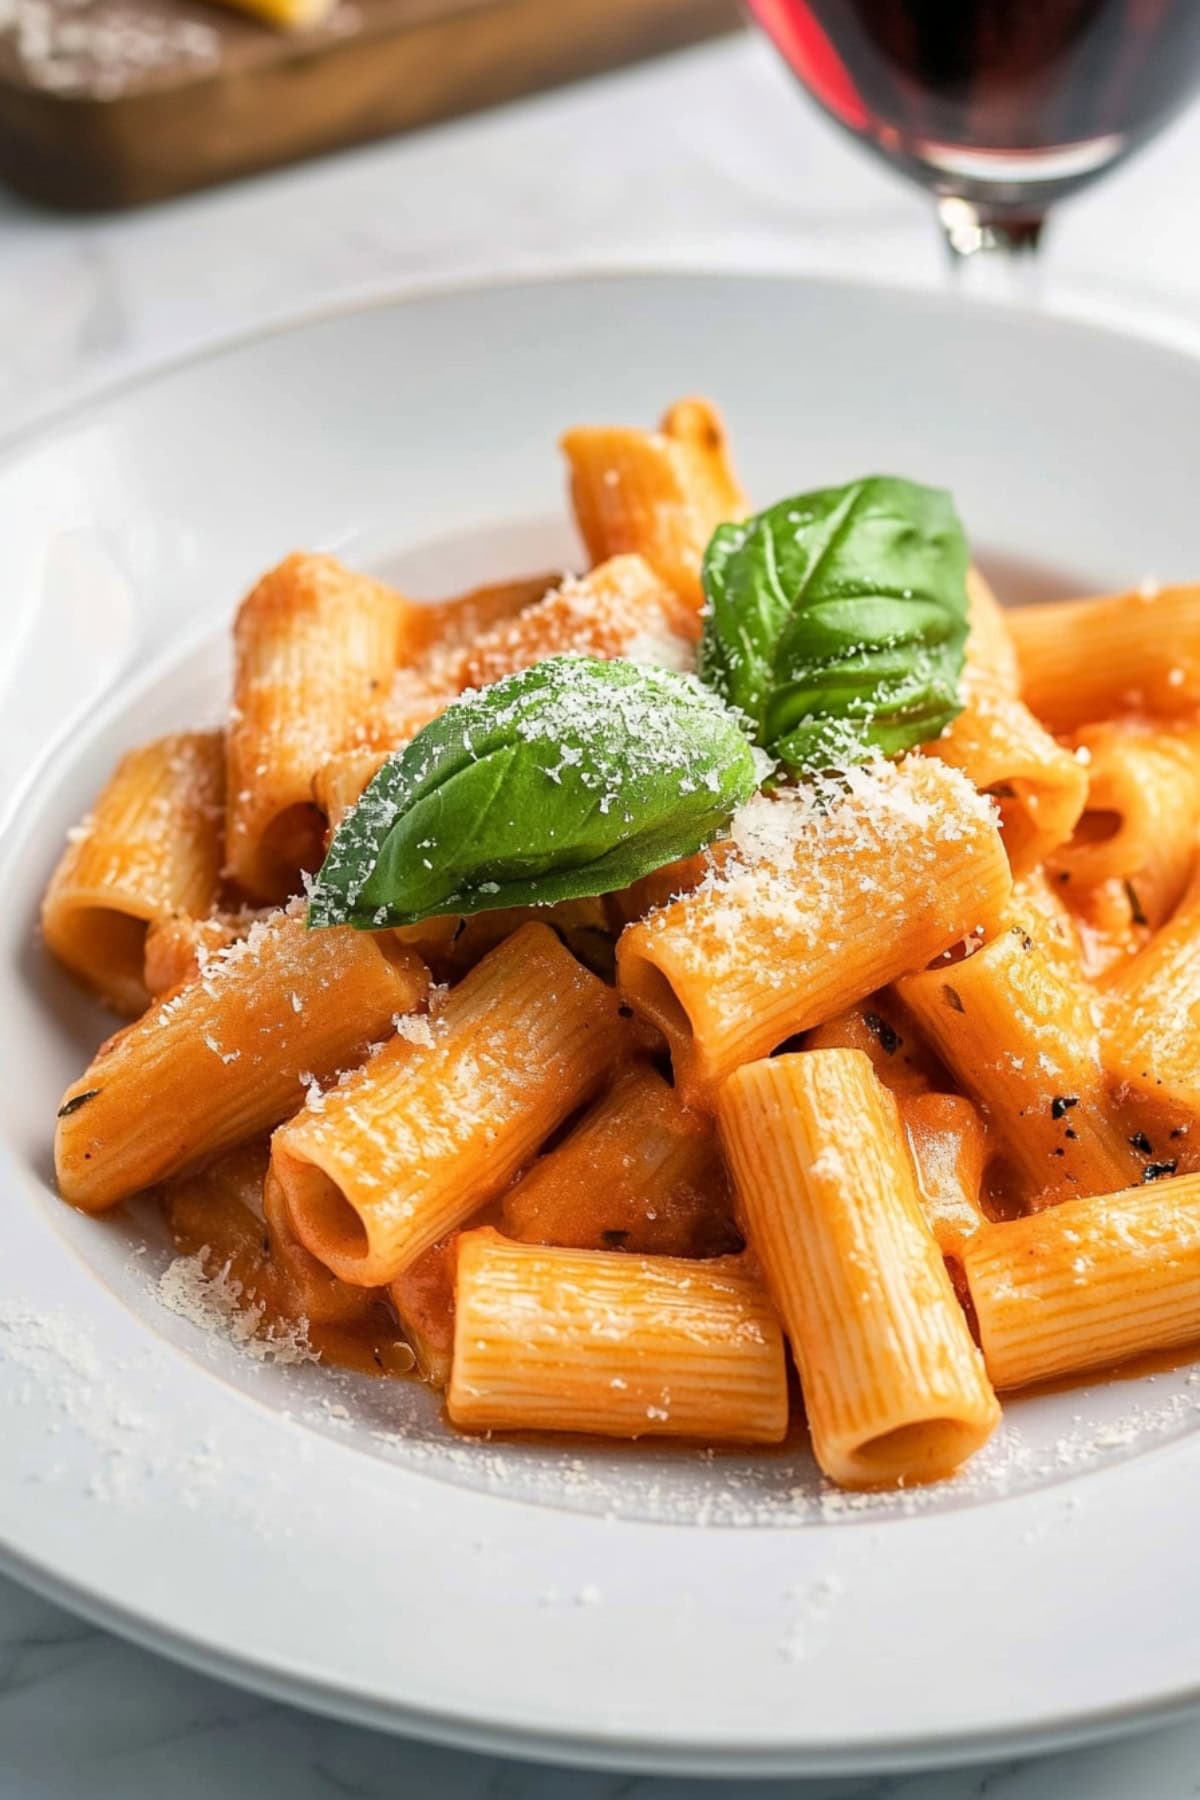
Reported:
(994, 97)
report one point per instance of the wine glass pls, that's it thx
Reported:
(998, 107)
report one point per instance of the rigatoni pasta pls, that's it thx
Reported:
(1151, 1037)
(761, 937)
(423, 1301)
(806, 922)
(639, 1172)
(621, 1346)
(1140, 824)
(1137, 652)
(314, 645)
(439, 626)
(1088, 1284)
(893, 1385)
(442, 1117)
(656, 494)
(149, 852)
(1024, 1041)
(950, 1152)
(228, 1056)
(620, 608)
(1037, 784)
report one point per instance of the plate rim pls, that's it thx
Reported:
(33, 433)
(618, 1754)
(616, 1750)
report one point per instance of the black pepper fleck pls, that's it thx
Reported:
(1135, 905)
(889, 1038)
(1142, 1144)
(1156, 1170)
(1062, 1103)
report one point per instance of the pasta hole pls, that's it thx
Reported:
(925, 1451)
(322, 1217)
(292, 844)
(1097, 826)
(1018, 826)
(110, 948)
(656, 1000)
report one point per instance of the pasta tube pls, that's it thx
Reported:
(628, 905)
(1039, 787)
(314, 646)
(1037, 902)
(1083, 660)
(226, 1057)
(639, 1172)
(1110, 926)
(835, 894)
(1088, 1284)
(622, 608)
(423, 1298)
(1140, 823)
(990, 648)
(1023, 1041)
(1152, 1027)
(313, 1294)
(894, 1387)
(452, 943)
(177, 948)
(340, 783)
(622, 1346)
(658, 494)
(440, 1120)
(149, 850)
(948, 1141)
(431, 626)
(996, 741)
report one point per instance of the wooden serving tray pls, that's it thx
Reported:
(111, 103)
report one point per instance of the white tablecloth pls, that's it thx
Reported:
(708, 158)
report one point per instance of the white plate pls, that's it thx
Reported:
(322, 1537)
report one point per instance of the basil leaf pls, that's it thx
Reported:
(571, 778)
(837, 620)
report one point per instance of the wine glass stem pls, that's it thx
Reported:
(992, 254)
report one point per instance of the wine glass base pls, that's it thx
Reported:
(971, 227)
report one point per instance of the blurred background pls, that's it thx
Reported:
(112, 103)
(174, 171)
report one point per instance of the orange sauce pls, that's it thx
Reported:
(1134, 1368)
(210, 1218)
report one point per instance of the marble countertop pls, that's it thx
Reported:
(708, 158)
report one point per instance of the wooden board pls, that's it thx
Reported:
(111, 103)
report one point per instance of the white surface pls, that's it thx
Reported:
(707, 158)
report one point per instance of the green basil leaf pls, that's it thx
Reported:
(571, 778)
(836, 621)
